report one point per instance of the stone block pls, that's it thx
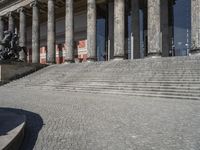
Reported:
(10, 72)
(11, 130)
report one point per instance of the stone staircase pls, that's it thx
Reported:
(177, 77)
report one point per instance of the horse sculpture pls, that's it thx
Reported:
(10, 48)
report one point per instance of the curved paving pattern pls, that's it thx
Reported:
(65, 119)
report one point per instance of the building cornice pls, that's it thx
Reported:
(13, 5)
(5, 3)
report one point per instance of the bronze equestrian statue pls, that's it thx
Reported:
(11, 48)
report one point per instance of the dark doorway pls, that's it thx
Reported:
(182, 27)
(102, 54)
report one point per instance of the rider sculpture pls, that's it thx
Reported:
(10, 47)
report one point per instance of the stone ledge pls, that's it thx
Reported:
(11, 130)
(9, 72)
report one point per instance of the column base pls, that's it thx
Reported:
(51, 62)
(116, 58)
(154, 55)
(195, 51)
(91, 59)
(69, 61)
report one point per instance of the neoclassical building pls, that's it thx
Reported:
(93, 30)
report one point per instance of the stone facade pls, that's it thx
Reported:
(69, 21)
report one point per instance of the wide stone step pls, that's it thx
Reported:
(126, 74)
(102, 78)
(158, 84)
(133, 87)
(178, 92)
(172, 77)
(140, 89)
(140, 93)
(161, 84)
(132, 93)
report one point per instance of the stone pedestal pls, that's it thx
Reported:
(12, 129)
(11, 71)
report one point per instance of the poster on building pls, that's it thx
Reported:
(82, 50)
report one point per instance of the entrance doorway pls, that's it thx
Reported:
(182, 27)
(102, 53)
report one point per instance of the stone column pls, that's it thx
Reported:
(91, 30)
(135, 28)
(11, 25)
(119, 29)
(22, 32)
(1, 30)
(154, 30)
(35, 33)
(111, 29)
(51, 56)
(165, 28)
(195, 22)
(69, 31)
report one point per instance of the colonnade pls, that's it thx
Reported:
(157, 29)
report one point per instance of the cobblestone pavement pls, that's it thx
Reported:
(78, 121)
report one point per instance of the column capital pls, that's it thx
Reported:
(34, 4)
(21, 9)
(10, 14)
